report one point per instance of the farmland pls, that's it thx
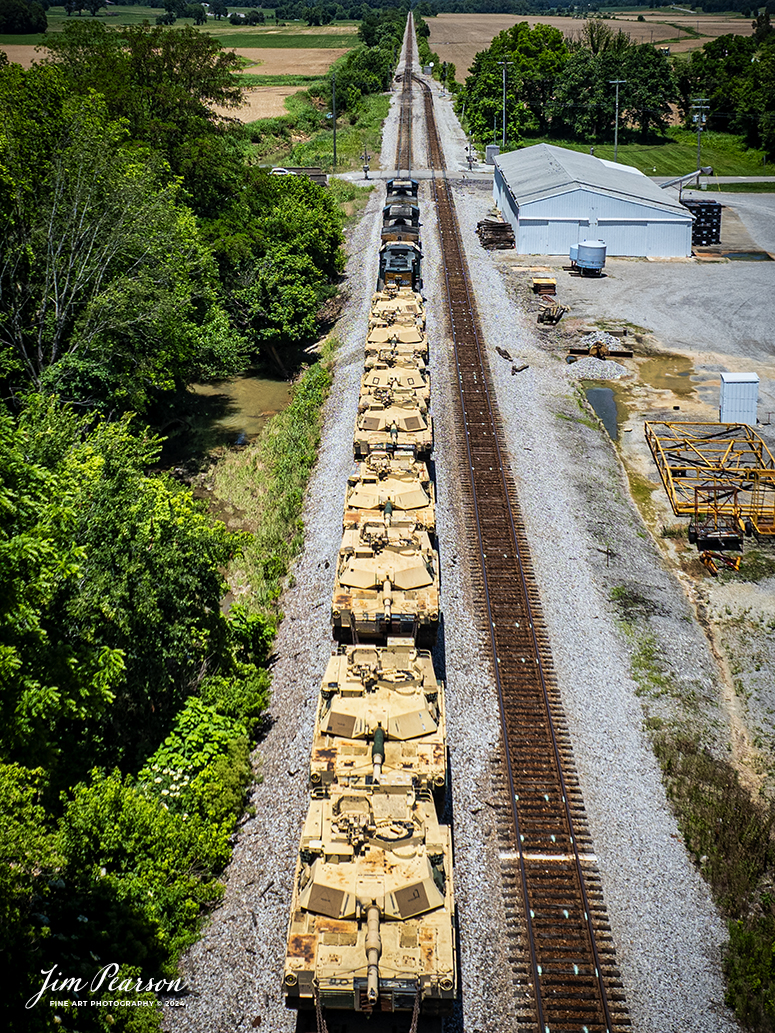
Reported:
(459, 37)
(268, 51)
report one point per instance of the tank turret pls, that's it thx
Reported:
(393, 380)
(396, 344)
(401, 426)
(396, 304)
(380, 720)
(387, 583)
(394, 489)
(372, 918)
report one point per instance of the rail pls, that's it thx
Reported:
(569, 981)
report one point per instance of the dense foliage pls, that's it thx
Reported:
(22, 16)
(142, 249)
(563, 86)
(737, 76)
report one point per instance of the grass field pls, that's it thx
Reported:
(270, 36)
(677, 155)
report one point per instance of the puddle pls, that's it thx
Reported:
(748, 256)
(669, 373)
(603, 402)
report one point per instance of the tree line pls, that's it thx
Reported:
(143, 248)
(561, 86)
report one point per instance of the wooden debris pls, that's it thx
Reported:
(503, 353)
(495, 235)
(552, 313)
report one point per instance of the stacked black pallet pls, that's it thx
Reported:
(707, 222)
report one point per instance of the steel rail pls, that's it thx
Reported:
(497, 521)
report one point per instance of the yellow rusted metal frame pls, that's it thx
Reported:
(762, 513)
(713, 456)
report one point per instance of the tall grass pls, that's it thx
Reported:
(267, 482)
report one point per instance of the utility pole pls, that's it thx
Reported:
(699, 106)
(617, 83)
(333, 109)
(503, 65)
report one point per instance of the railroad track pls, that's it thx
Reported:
(560, 944)
(404, 143)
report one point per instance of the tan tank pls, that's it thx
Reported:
(380, 720)
(372, 916)
(401, 379)
(391, 490)
(397, 305)
(395, 345)
(387, 583)
(401, 426)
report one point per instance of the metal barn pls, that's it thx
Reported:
(554, 197)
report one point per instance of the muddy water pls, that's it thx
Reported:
(669, 373)
(241, 406)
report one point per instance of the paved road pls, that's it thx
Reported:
(756, 210)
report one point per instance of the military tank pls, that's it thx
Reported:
(372, 915)
(397, 305)
(380, 720)
(402, 425)
(385, 380)
(391, 489)
(387, 584)
(396, 345)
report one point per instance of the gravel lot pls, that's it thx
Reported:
(587, 540)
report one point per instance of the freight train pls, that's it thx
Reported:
(372, 922)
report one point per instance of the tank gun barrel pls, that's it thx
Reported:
(378, 752)
(373, 946)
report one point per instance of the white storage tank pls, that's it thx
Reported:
(491, 152)
(738, 398)
(591, 255)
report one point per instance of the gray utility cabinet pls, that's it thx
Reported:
(738, 398)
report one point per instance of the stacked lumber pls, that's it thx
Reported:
(544, 285)
(495, 235)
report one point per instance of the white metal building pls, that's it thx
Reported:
(554, 197)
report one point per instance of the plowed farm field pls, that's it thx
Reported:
(459, 37)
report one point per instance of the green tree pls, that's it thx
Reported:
(19, 17)
(163, 83)
(48, 674)
(106, 290)
(650, 89)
